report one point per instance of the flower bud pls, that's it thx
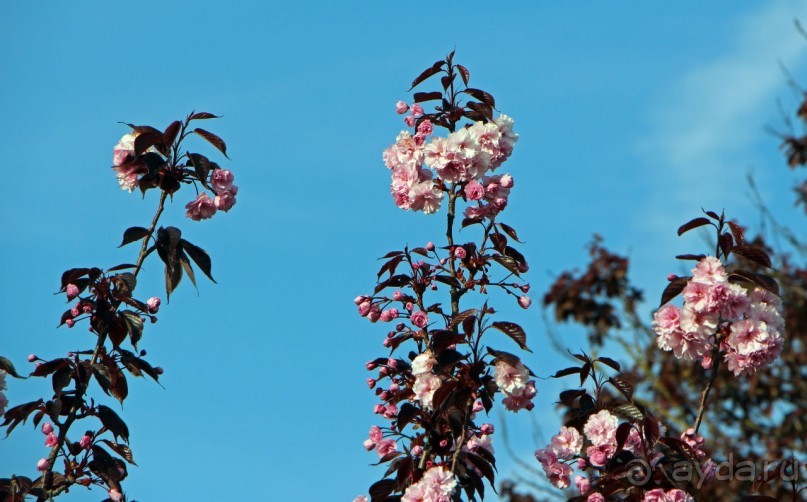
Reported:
(443, 443)
(32, 358)
(525, 288)
(672, 277)
(358, 300)
(430, 246)
(478, 406)
(401, 107)
(459, 253)
(153, 304)
(378, 409)
(392, 363)
(371, 382)
(42, 465)
(70, 323)
(371, 365)
(72, 291)
(417, 110)
(410, 120)
(525, 302)
(86, 441)
(383, 371)
(75, 312)
(397, 296)
(158, 370)
(417, 450)
(47, 428)
(486, 428)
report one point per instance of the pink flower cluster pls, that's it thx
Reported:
(436, 485)
(514, 382)
(463, 157)
(204, 207)
(123, 162)
(674, 495)
(495, 190)
(426, 383)
(600, 429)
(376, 442)
(3, 399)
(751, 322)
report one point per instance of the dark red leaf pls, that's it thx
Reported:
(609, 362)
(695, 223)
(420, 97)
(673, 289)
(464, 73)
(622, 386)
(7, 366)
(433, 70)
(509, 231)
(481, 96)
(566, 371)
(199, 256)
(146, 140)
(113, 422)
(203, 115)
(213, 140)
(170, 133)
(760, 280)
(132, 234)
(406, 413)
(696, 257)
(738, 232)
(514, 331)
(754, 254)
(121, 449)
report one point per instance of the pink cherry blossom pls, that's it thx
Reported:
(115, 495)
(424, 388)
(85, 442)
(417, 110)
(459, 253)
(423, 363)
(567, 443)
(601, 428)
(474, 190)
(524, 302)
(419, 319)
(385, 447)
(123, 152)
(425, 128)
(51, 440)
(599, 455)
(72, 291)
(201, 208)
(511, 379)
(47, 428)
(401, 107)
(222, 180)
(224, 201)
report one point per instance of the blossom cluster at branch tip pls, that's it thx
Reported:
(750, 322)
(462, 157)
(204, 207)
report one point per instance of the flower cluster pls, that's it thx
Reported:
(126, 166)
(600, 433)
(436, 485)
(513, 381)
(747, 325)
(464, 157)
(204, 207)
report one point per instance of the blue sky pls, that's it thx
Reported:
(631, 118)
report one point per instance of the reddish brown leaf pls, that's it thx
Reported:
(695, 223)
(213, 140)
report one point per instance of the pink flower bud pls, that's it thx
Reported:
(459, 253)
(47, 428)
(383, 371)
(387, 342)
(486, 429)
(384, 395)
(86, 441)
(525, 288)
(391, 411)
(370, 365)
(672, 277)
(434, 287)
(425, 128)
(153, 304)
(87, 308)
(158, 370)
(358, 300)
(392, 363)
(364, 308)
(394, 387)
(401, 107)
(378, 409)
(389, 314)
(410, 120)
(32, 358)
(524, 301)
(400, 326)
(371, 382)
(397, 296)
(409, 306)
(75, 312)
(443, 443)
(72, 291)
(42, 465)
(506, 181)
(706, 363)
(442, 261)
(417, 450)
(416, 265)
(581, 463)
(430, 246)
(70, 323)
(368, 444)
(115, 495)
(417, 110)
(478, 406)
(375, 313)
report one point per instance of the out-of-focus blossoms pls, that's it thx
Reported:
(420, 167)
(747, 325)
(124, 163)
(3, 400)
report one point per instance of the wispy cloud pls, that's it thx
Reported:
(702, 139)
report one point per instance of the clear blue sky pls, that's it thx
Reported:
(631, 116)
